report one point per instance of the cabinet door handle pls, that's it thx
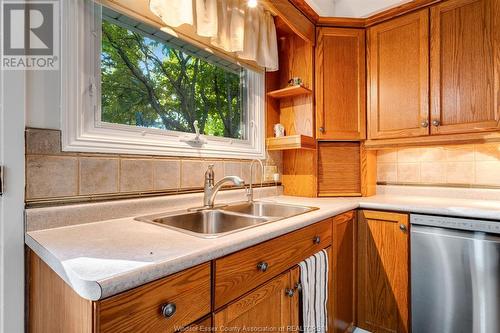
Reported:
(436, 122)
(317, 239)
(425, 123)
(262, 266)
(168, 310)
(289, 292)
(322, 129)
(402, 227)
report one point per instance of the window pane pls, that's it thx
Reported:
(151, 79)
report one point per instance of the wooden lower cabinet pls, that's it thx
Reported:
(272, 307)
(55, 308)
(241, 272)
(383, 272)
(140, 309)
(343, 268)
(232, 291)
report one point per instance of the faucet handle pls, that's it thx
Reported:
(210, 174)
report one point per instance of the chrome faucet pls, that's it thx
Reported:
(250, 187)
(211, 189)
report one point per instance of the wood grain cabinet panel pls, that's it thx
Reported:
(140, 309)
(383, 272)
(268, 308)
(340, 84)
(343, 276)
(398, 70)
(339, 169)
(53, 306)
(240, 272)
(465, 66)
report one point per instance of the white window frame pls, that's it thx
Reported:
(82, 130)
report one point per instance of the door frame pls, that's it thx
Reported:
(12, 126)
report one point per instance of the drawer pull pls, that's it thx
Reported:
(168, 310)
(262, 266)
(289, 292)
(316, 240)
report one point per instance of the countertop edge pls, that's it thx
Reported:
(465, 213)
(115, 284)
(98, 290)
(90, 290)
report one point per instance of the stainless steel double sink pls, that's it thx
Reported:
(212, 223)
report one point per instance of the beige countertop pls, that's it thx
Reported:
(101, 259)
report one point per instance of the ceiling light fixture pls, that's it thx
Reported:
(252, 3)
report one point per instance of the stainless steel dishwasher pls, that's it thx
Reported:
(455, 275)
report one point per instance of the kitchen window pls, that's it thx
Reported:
(148, 91)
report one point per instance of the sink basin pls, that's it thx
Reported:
(268, 209)
(213, 223)
(205, 223)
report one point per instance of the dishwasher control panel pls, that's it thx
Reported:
(456, 223)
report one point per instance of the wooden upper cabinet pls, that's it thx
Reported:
(383, 272)
(340, 84)
(465, 66)
(398, 70)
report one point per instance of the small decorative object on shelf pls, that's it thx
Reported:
(295, 81)
(279, 130)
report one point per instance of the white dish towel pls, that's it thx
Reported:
(314, 281)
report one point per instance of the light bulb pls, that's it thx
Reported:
(252, 3)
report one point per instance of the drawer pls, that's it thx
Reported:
(140, 309)
(242, 271)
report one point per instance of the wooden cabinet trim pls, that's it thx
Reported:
(343, 276)
(295, 20)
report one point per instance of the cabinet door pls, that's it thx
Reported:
(267, 308)
(398, 63)
(340, 84)
(383, 265)
(465, 66)
(343, 272)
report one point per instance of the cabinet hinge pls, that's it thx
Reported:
(1, 180)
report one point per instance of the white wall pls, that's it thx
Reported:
(43, 98)
(352, 8)
(322, 7)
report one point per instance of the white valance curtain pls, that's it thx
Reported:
(230, 24)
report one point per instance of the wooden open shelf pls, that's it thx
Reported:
(289, 92)
(291, 142)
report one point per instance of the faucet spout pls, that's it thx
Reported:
(250, 188)
(211, 191)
